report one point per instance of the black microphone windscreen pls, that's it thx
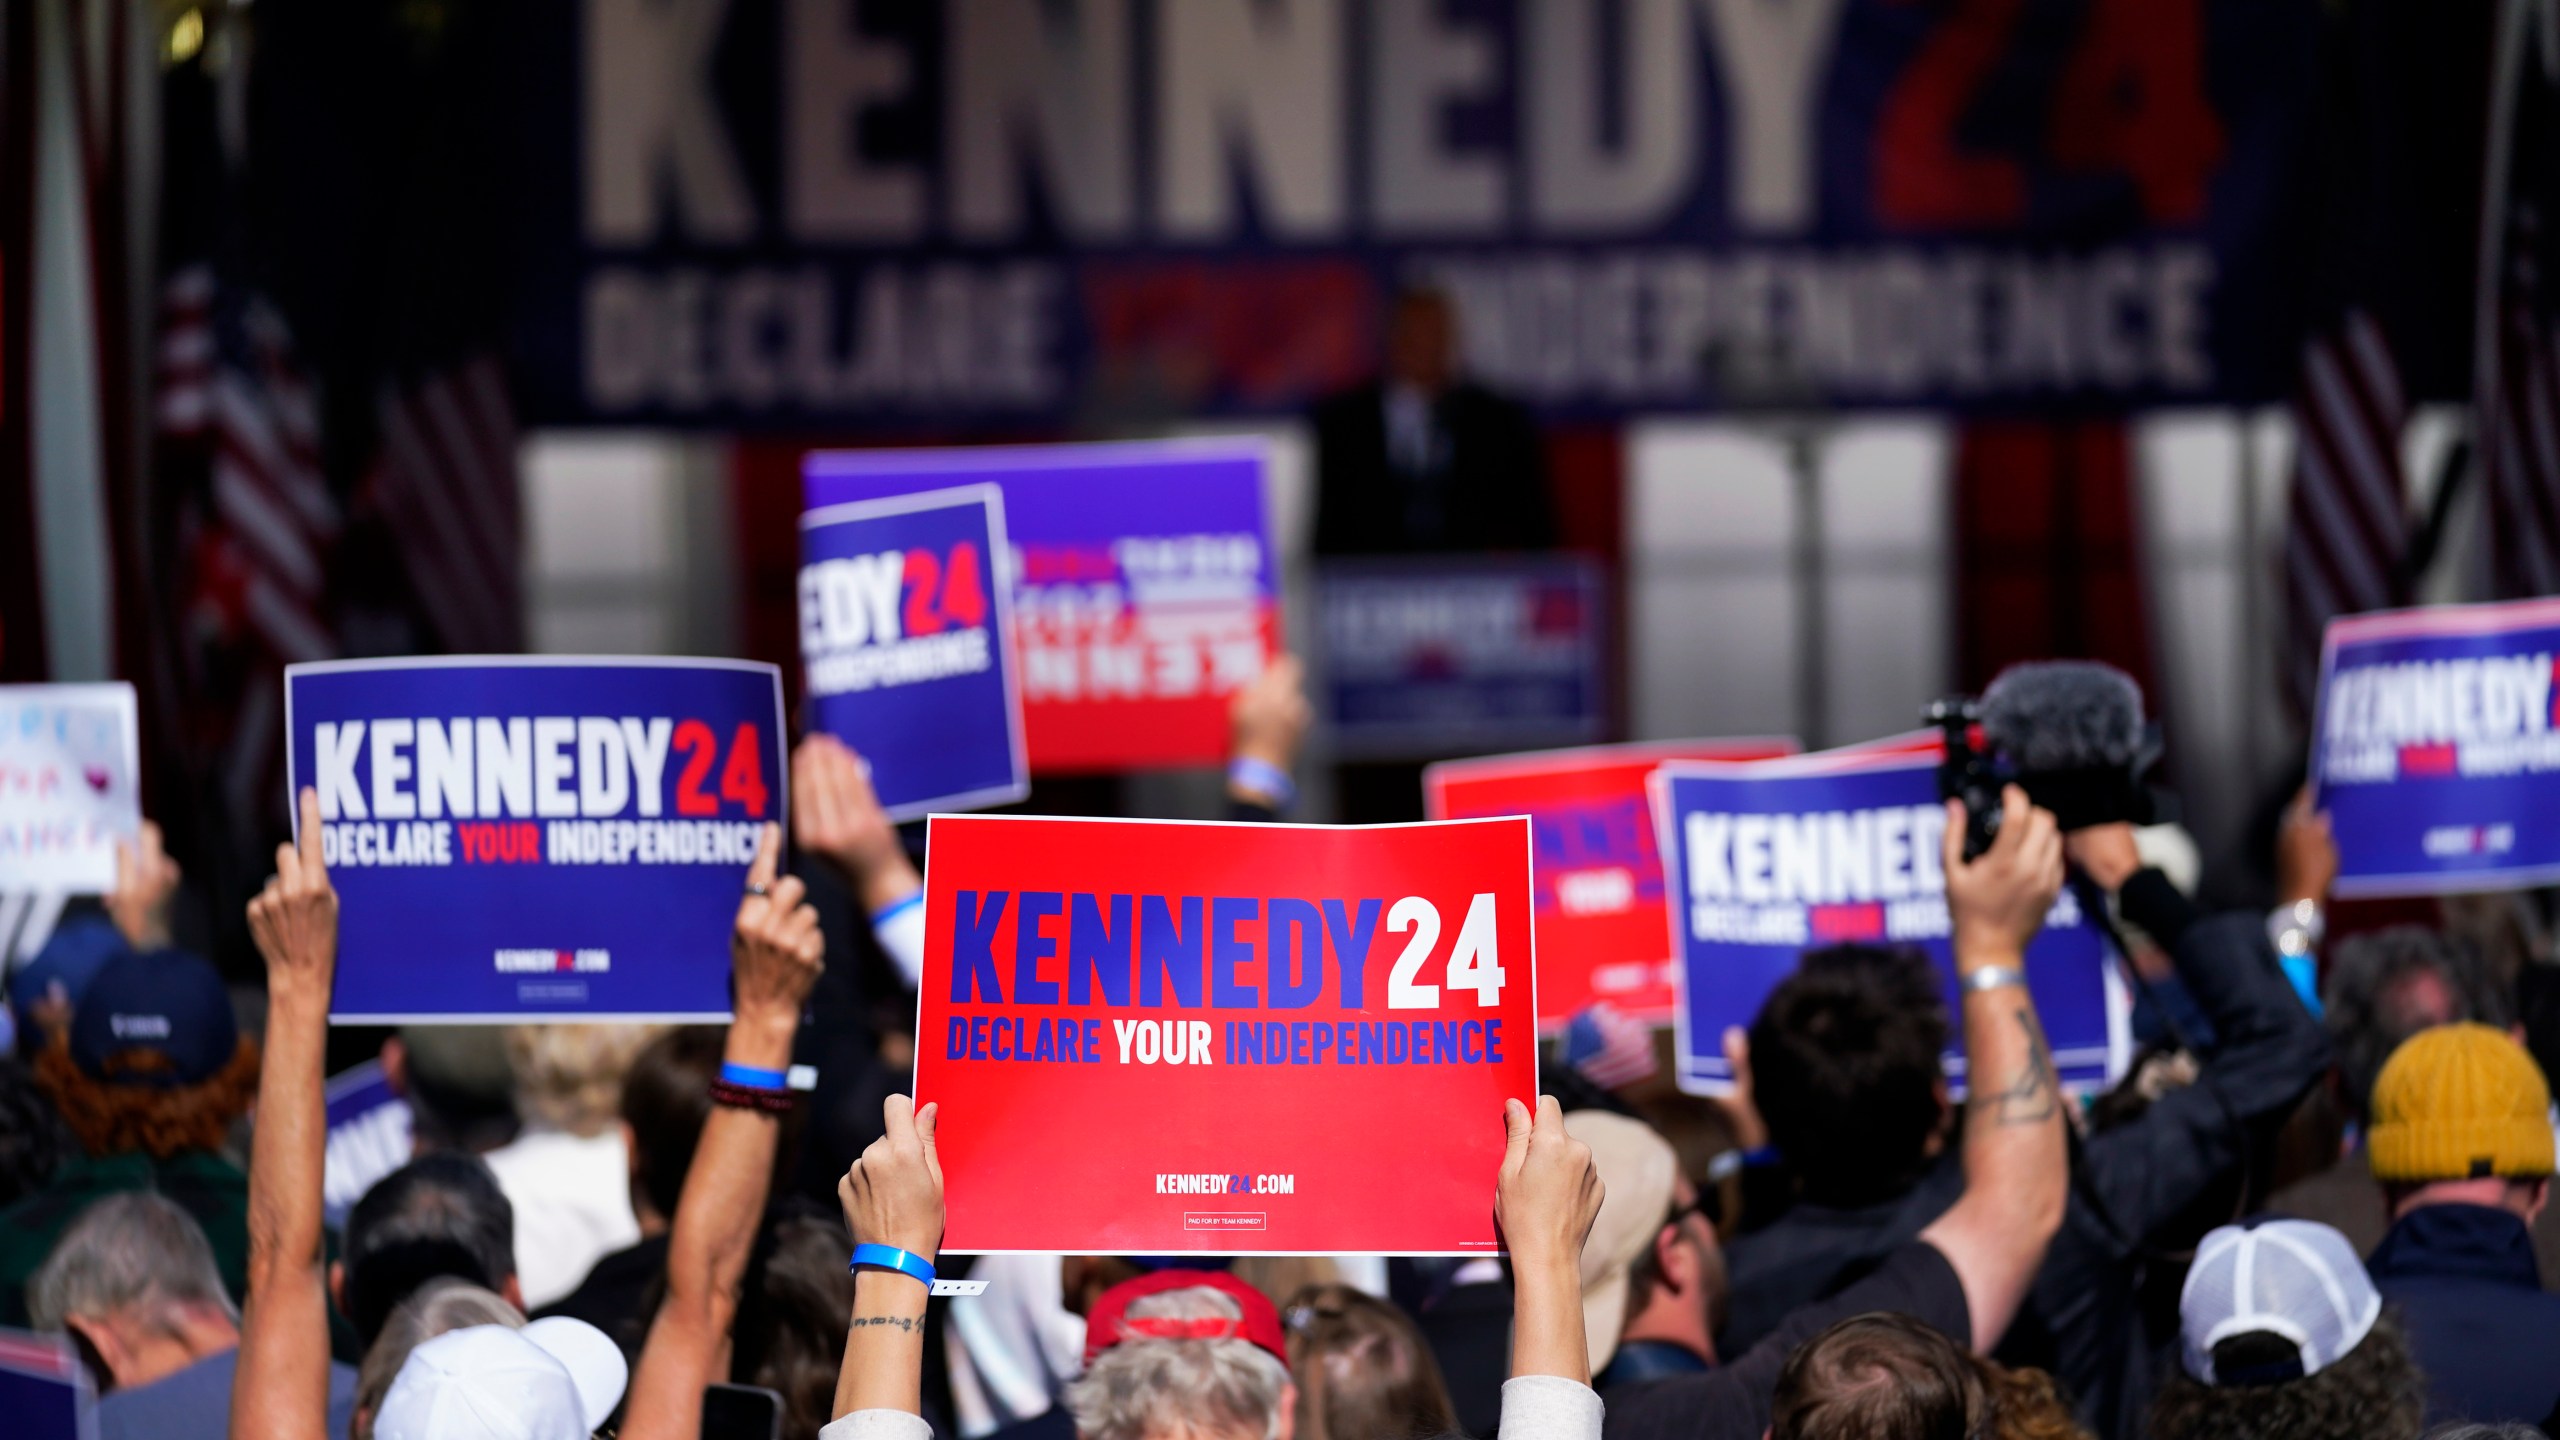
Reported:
(2051, 715)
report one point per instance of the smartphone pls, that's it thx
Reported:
(741, 1412)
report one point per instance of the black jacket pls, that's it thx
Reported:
(1491, 494)
(2471, 1300)
(2141, 1189)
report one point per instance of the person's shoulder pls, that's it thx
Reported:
(1707, 1406)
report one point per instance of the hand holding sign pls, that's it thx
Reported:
(836, 816)
(1997, 902)
(1268, 718)
(1547, 1197)
(776, 956)
(892, 1195)
(146, 878)
(2306, 853)
(295, 918)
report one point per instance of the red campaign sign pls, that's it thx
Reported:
(1156, 1037)
(1602, 929)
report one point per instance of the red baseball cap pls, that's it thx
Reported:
(1109, 1324)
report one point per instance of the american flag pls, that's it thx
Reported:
(446, 480)
(2516, 382)
(234, 407)
(1609, 1047)
(2348, 531)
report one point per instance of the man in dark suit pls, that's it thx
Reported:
(1421, 461)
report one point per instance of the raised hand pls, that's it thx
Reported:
(1998, 902)
(1548, 1193)
(295, 918)
(776, 952)
(1268, 719)
(836, 817)
(146, 879)
(892, 1195)
(2306, 853)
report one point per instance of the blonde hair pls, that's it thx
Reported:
(569, 1077)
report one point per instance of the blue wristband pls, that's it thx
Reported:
(1262, 778)
(890, 1257)
(753, 1078)
(896, 908)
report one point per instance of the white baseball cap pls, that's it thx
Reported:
(2297, 1279)
(555, 1379)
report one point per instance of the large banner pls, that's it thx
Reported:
(1426, 658)
(2437, 748)
(1156, 1037)
(1771, 859)
(820, 213)
(1145, 593)
(1603, 926)
(906, 642)
(554, 838)
(70, 785)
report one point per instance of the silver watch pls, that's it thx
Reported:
(2297, 929)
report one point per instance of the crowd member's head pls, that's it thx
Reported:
(1422, 340)
(1188, 1353)
(1362, 1368)
(1652, 1269)
(153, 1060)
(2387, 985)
(2283, 1338)
(2462, 1114)
(440, 1305)
(133, 1279)
(791, 1324)
(456, 1079)
(1889, 1377)
(440, 1214)
(665, 1098)
(569, 1077)
(33, 1142)
(1846, 1068)
(555, 1379)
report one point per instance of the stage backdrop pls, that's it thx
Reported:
(844, 214)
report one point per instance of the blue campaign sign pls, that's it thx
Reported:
(2438, 748)
(1772, 858)
(1433, 657)
(43, 1389)
(520, 838)
(905, 633)
(370, 1127)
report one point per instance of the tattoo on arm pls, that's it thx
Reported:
(895, 1322)
(2036, 1095)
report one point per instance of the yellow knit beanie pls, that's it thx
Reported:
(2460, 1102)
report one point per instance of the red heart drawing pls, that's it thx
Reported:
(98, 778)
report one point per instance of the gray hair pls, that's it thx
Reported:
(441, 1304)
(1141, 1388)
(135, 1253)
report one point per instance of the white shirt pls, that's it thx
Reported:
(572, 1199)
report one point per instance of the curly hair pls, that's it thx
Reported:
(112, 1119)
(1884, 1376)
(2374, 1002)
(2373, 1392)
(33, 1140)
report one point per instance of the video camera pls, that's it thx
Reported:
(2071, 733)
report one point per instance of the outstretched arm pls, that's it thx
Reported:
(2017, 1174)
(282, 1386)
(775, 958)
(892, 1196)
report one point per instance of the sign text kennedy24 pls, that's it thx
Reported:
(1155, 1037)
(516, 838)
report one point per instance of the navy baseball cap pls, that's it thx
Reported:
(167, 1004)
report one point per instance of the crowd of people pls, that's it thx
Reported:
(2298, 1217)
